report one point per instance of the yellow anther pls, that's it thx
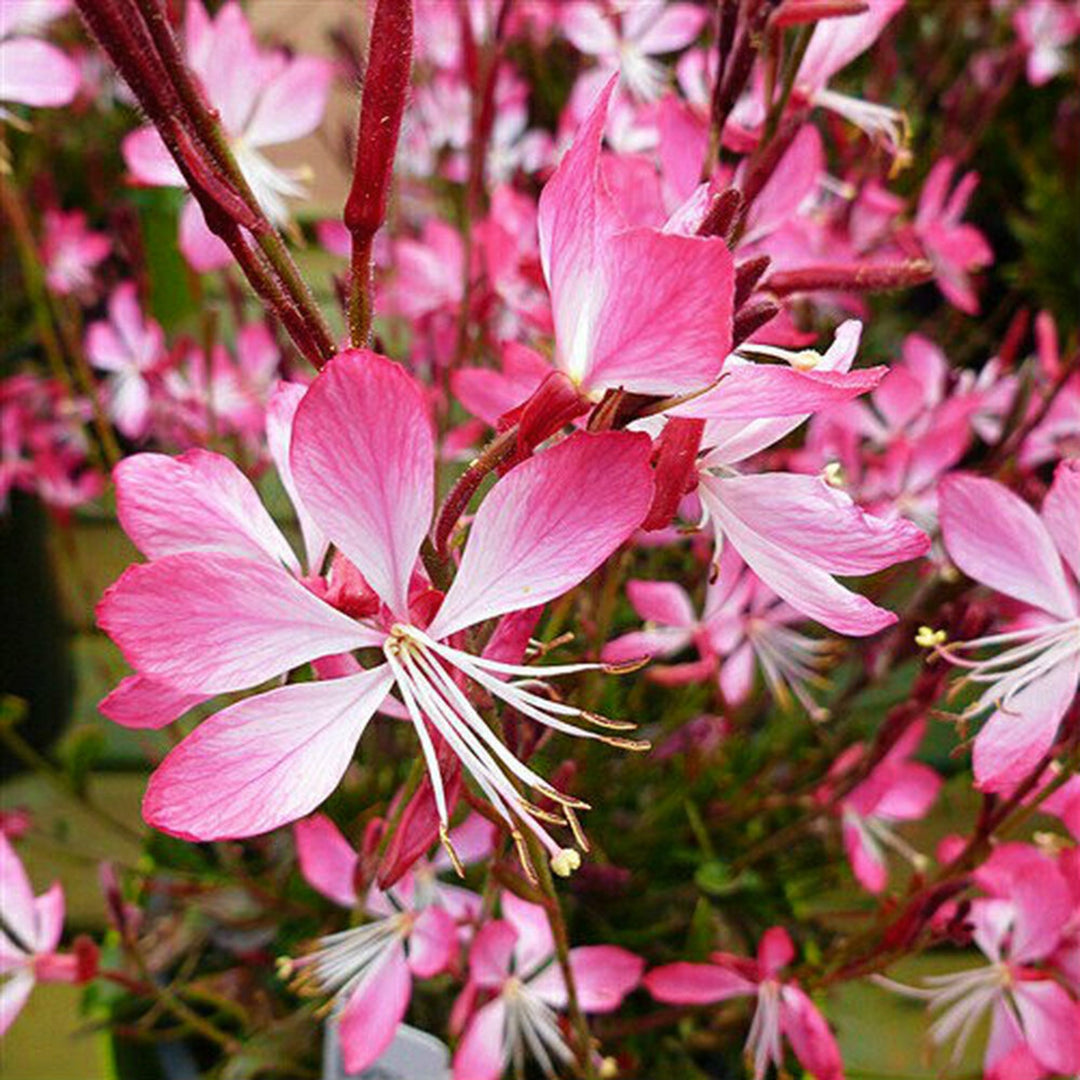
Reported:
(805, 360)
(566, 862)
(609, 1069)
(929, 638)
(833, 474)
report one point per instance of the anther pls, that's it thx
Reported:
(566, 862)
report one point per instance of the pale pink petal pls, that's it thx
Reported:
(292, 106)
(1061, 513)
(996, 538)
(737, 674)
(231, 67)
(36, 73)
(480, 1053)
(635, 341)
(139, 702)
(488, 394)
(280, 412)
(547, 525)
(374, 1011)
(810, 1037)
(490, 955)
(327, 860)
(149, 161)
(795, 532)
(129, 403)
(18, 896)
(587, 29)
(1050, 1017)
(867, 860)
(203, 250)
(1015, 738)
(752, 391)
(265, 761)
(49, 918)
(364, 463)
(432, 943)
(603, 976)
(674, 27)
(638, 644)
(199, 501)
(663, 602)
(535, 944)
(213, 623)
(910, 795)
(696, 984)
(836, 42)
(13, 995)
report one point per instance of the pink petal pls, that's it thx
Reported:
(13, 995)
(641, 643)
(674, 27)
(547, 525)
(663, 602)
(996, 538)
(432, 943)
(752, 391)
(911, 793)
(139, 702)
(203, 251)
(603, 976)
(810, 1037)
(1061, 513)
(149, 161)
(199, 501)
(535, 945)
(795, 532)
(374, 1011)
(490, 955)
(636, 341)
(488, 394)
(836, 42)
(1050, 1018)
(34, 72)
(480, 1054)
(774, 951)
(19, 914)
(213, 623)
(364, 463)
(695, 984)
(292, 106)
(129, 404)
(265, 761)
(587, 29)
(327, 860)
(280, 413)
(1015, 738)
(867, 863)
(49, 918)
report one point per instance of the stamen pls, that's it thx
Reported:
(448, 847)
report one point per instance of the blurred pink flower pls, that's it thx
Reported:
(33, 72)
(71, 252)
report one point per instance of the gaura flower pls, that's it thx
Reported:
(362, 461)
(512, 961)
(997, 539)
(33, 72)
(783, 1008)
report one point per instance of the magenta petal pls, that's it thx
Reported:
(327, 860)
(213, 623)
(996, 538)
(1050, 1023)
(489, 957)
(775, 951)
(547, 525)
(480, 1054)
(371, 1016)
(265, 761)
(810, 1037)
(695, 984)
(662, 602)
(139, 702)
(363, 459)
(432, 943)
(199, 501)
(1061, 513)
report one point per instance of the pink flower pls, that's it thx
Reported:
(1033, 1020)
(71, 252)
(512, 961)
(413, 933)
(783, 1009)
(955, 248)
(1046, 28)
(997, 539)
(33, 72)
(226, 617)
(635, 308)
(264, 98)
(29, 937)
(629, 41)
(897, 789)
(795, 532)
